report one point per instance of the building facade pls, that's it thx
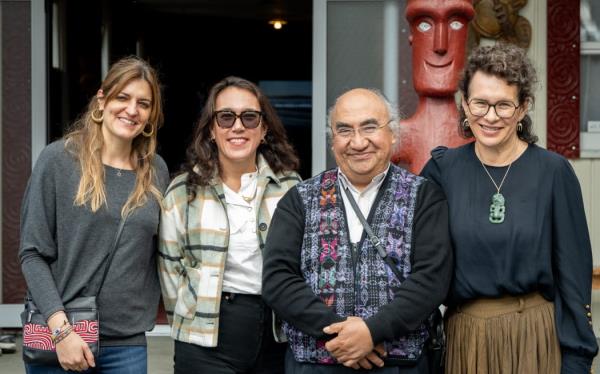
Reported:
(339, 44)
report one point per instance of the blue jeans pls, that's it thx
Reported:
(112, 360)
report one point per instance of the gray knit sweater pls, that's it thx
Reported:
(63, 245)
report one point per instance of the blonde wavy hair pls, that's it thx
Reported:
(85, 140)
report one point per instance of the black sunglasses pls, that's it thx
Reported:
(226, 118)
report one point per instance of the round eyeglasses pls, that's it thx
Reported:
(365, 131)
(226, 118)
(503, 109)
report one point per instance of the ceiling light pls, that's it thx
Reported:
(277, 23)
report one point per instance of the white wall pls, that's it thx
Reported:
(586, 169)
(0, 164)
(38, 79)
(588, 172)
(535, 12)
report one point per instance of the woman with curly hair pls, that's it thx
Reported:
(213, 228)
(520, 297)
(105, 170)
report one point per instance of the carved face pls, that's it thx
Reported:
(488, 17)
(438, 38)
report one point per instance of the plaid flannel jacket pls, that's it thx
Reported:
(194, 238)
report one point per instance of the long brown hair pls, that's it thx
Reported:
(85, 140)
(203, 155)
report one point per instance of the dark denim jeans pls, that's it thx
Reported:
(245, 345)
(113, 360)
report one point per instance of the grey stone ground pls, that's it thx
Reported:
(160, 358)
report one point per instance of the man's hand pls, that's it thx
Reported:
(352, 344)
(372, 358)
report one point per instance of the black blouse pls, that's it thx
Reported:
(542, 245)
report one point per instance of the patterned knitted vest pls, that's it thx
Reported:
(359, 284)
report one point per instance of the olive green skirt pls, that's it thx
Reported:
(505, 335)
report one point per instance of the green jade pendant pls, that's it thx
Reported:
(497, 208)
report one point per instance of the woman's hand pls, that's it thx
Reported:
(74, 354)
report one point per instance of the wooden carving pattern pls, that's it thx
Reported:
(563, 77)
(16, 138)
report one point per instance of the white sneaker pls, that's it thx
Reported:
(7, 344)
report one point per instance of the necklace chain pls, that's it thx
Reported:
(492, 179)
(505, 174)
(497, 207)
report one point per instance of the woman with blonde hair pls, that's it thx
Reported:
(104, 172)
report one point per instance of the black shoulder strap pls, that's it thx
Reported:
(372, 237)
(435, 322)
(111, 253)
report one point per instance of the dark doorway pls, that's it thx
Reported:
(193, 44)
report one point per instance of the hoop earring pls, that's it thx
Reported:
(148, 134)
(519, 127)
(97, 118)
(263, 141)
(465, 124)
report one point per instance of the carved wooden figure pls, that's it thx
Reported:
(500, 19)
(438, 36)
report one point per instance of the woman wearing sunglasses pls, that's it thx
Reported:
(213, 228)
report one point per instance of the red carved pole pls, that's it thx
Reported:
(438, 38)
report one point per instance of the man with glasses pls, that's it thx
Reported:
(355, 291)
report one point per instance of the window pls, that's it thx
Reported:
(590, 78)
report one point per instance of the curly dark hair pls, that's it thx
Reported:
(203, 154)
(510, 63)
